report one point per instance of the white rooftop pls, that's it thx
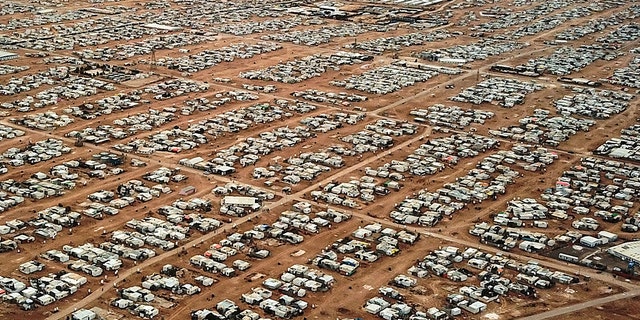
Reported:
(628, 251)
(6, 54)
(161, 27)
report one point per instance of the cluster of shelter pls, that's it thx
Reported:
(143, 47)
(625, 147)
(510, 18)
(9, 132)
(487, 181)
(340, 98)
(298, 70)
(134, 298)
(314, 37)
(309, 165)
(553, 21)
(507, 92)
(453, 117)
(41, 291)
(628, 76)
(124, 127)
(385, 79)
(210, 58)
(264, 89)
(38, 20)
(499, 276)
(65, 87)
(10, 69)
(542, 129)
(181, 217)
(241, 119)
(46, 121)
(464, 53)
(13, 7)
(32, 81)
(567, 60)
(298, 279)
(598, 24)
(213, 260)
(625, 33)
(380, 45)
(596, 191)
(237, 11)
(252, 149)
(428, 159)
(250, 200)
(62, 177)
(175, 88)
(250, 27)
(589, 102)
(87, 33)
(173, 140)
(46, 224)
(35, 152)
(118, 102)
(123, 244)
(365, 245)
(105, 202)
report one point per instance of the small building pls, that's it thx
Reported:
(568, 257)
(452, 60)
(373, 308)
(188, 190)
(163, 27)
(628, 251)
(223, 170)
(590, 241)
(5, 55)
(191, 162)
(609, 236)
(239, 201)
(45, 11)
(83, 314)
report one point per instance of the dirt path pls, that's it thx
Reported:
(584, 305)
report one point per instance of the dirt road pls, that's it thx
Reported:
(579, 306)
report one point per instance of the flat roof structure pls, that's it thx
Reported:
(5, 55)
(239, 201)
(161, 27)
(621, 153)
(629, 251)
